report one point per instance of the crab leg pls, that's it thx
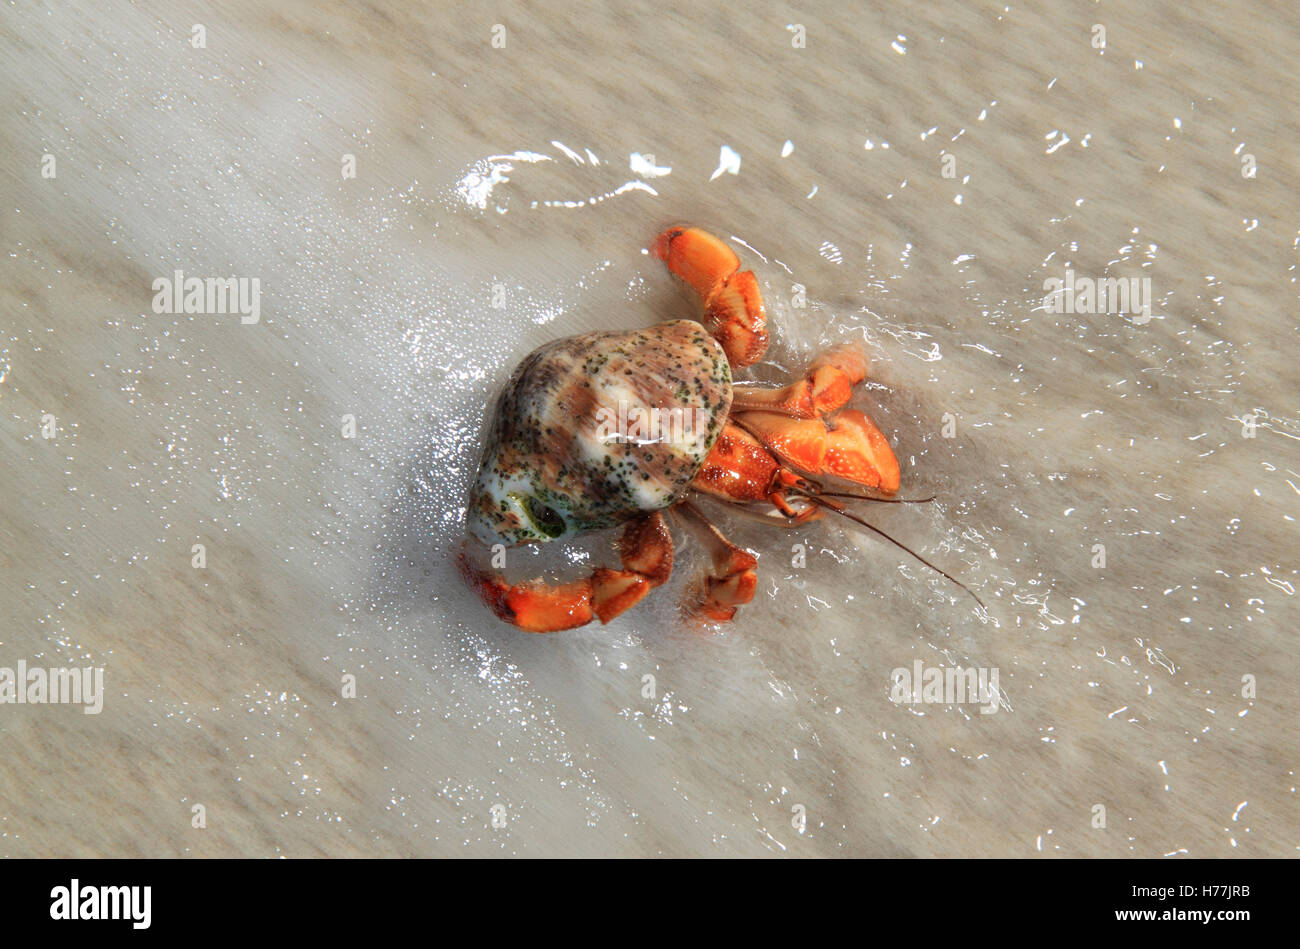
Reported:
(733, 305)
(733, 579)
(740, 470)
(827, 385)
(646, 549)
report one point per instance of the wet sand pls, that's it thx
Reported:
(1120, 488)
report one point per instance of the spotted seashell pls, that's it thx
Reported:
(594, 428)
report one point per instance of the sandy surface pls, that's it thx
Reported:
(944, 161)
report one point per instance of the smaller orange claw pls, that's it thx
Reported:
(733, 305)
(827, 385)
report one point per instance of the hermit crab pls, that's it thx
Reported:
(615, 428)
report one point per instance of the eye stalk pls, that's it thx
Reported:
(545, 519)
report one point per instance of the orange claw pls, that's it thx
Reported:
(797, 442)
(646, 547)
(848, 445)
(858, 451)
(733, 305)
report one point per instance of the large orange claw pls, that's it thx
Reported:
(857, 450)
(536, 606)
(733, 304)
(848, 445)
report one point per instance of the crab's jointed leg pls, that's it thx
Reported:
(733, 579)
(741, 470)
(826, 386)
(646, 549)
(733, 304)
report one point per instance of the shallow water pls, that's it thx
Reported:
(534, 176)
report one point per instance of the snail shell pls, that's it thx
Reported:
(594, 428)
